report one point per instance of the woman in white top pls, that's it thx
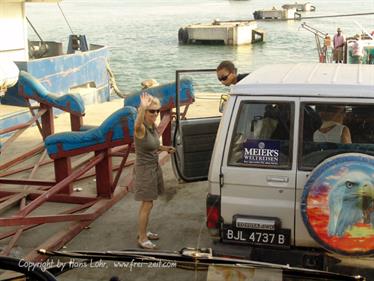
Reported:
(357, 50)
(332, 129)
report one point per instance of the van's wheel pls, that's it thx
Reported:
(183, 35)
(337, 205)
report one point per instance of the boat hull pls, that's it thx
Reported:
(81, 73)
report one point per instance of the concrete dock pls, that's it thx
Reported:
(275, 14)
(232, 33)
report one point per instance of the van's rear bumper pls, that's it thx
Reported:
(306, 258)
(311, 258)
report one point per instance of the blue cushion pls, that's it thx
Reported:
(33, 89)
(165, 93)
(76, 140)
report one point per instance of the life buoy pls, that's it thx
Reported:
(337, 204)
(183, 35)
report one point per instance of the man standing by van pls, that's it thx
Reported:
(338, 41)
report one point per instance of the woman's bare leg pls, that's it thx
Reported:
(144, 212)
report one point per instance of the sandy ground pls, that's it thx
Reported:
(178, 216)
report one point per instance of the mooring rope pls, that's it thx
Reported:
(113, 82)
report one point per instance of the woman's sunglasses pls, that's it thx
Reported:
(223, 78)
(153, 111)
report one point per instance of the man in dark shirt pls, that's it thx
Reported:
(227, 73)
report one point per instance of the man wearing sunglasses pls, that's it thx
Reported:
(227, 73)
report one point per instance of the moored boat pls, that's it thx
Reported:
(324, 45)
(81, 70)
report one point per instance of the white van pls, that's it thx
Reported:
(291, 174)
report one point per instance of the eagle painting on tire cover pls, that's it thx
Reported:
(338, 204)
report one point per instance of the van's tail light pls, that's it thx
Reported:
(213, 204)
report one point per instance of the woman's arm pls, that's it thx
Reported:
(139, 126)
(346, 135)
(168, 149)
(145, 101)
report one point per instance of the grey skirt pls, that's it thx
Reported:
(149, 182)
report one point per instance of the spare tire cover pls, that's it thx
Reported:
(337, 204)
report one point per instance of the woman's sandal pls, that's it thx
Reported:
(152, 236)
(146, 244)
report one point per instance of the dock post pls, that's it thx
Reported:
(258, 36)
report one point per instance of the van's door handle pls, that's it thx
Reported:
(277, 179)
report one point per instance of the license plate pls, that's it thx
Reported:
(278, 237)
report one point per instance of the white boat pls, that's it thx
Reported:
(80, 70)
(325, 47)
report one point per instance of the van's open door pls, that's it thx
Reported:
(192, 137)
(194, 142)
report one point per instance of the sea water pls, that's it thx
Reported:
(142, 35)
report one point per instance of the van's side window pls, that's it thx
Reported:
(262, 135)
(330, 129)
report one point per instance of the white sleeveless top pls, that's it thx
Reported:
(334, 135)
(357, 49)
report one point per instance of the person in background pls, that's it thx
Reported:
(357, 50)
(149, 181)
(327, 41)
(149, 83)
(227, 73)
(338, 42)
(332, 128)
(326, 50)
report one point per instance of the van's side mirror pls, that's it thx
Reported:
(222, 102)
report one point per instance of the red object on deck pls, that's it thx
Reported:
(61, 190)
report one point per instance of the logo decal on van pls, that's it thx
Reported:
(261, 152)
